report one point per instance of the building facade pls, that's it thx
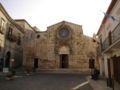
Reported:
(11, 37)
(28, 42)
(109, 38)
(62, 46)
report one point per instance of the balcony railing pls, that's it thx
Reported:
(19, 49)
(105, 44)
(12, 38)
(2, 30)
(115, 36)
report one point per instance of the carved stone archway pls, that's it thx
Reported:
(64, 50)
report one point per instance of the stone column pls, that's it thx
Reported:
(102, 70)
(105, 65)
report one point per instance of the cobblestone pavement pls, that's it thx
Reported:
(46, 82)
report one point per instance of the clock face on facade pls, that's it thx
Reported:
(64, 33)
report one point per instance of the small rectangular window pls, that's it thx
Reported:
(2, 25)
(0, 48)
(10, 31)
(19, 39)
(0, 45)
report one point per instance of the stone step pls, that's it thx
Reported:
(57, 71)
(62, 71)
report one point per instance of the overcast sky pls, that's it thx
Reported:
(43, 13)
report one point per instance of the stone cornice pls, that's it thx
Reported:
(112, 4)
(9, 18)
(63, 23)
(5, 13)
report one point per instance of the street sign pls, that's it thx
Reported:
(5, 70)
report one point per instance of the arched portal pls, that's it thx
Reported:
(7, 59)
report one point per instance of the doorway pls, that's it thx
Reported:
(116, 68)
(64, 61)
(7, 59)
(35, 63)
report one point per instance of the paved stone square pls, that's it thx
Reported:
(45, 81)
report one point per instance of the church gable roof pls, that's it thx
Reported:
(64, 22)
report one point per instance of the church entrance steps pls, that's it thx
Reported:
(62, 71)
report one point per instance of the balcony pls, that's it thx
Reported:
(112, 38)
(19, 49)
(2, 30)
(12, 38)
(105, 44)
(116, 34)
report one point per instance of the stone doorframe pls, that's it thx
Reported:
(64, 52)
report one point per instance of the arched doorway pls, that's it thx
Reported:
(64, 57)
(7, 59)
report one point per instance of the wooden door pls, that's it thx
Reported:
(64, 61)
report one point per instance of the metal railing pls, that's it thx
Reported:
(115, 36)
(105, 44)
(116, 33)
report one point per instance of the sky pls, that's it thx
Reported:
(44, 13)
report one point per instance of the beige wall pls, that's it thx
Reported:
(28, 42)
(11, 46)
(79, 47)
(47, 47)
(2, 36)
(108, 26)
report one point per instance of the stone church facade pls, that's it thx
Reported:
(62, 46)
